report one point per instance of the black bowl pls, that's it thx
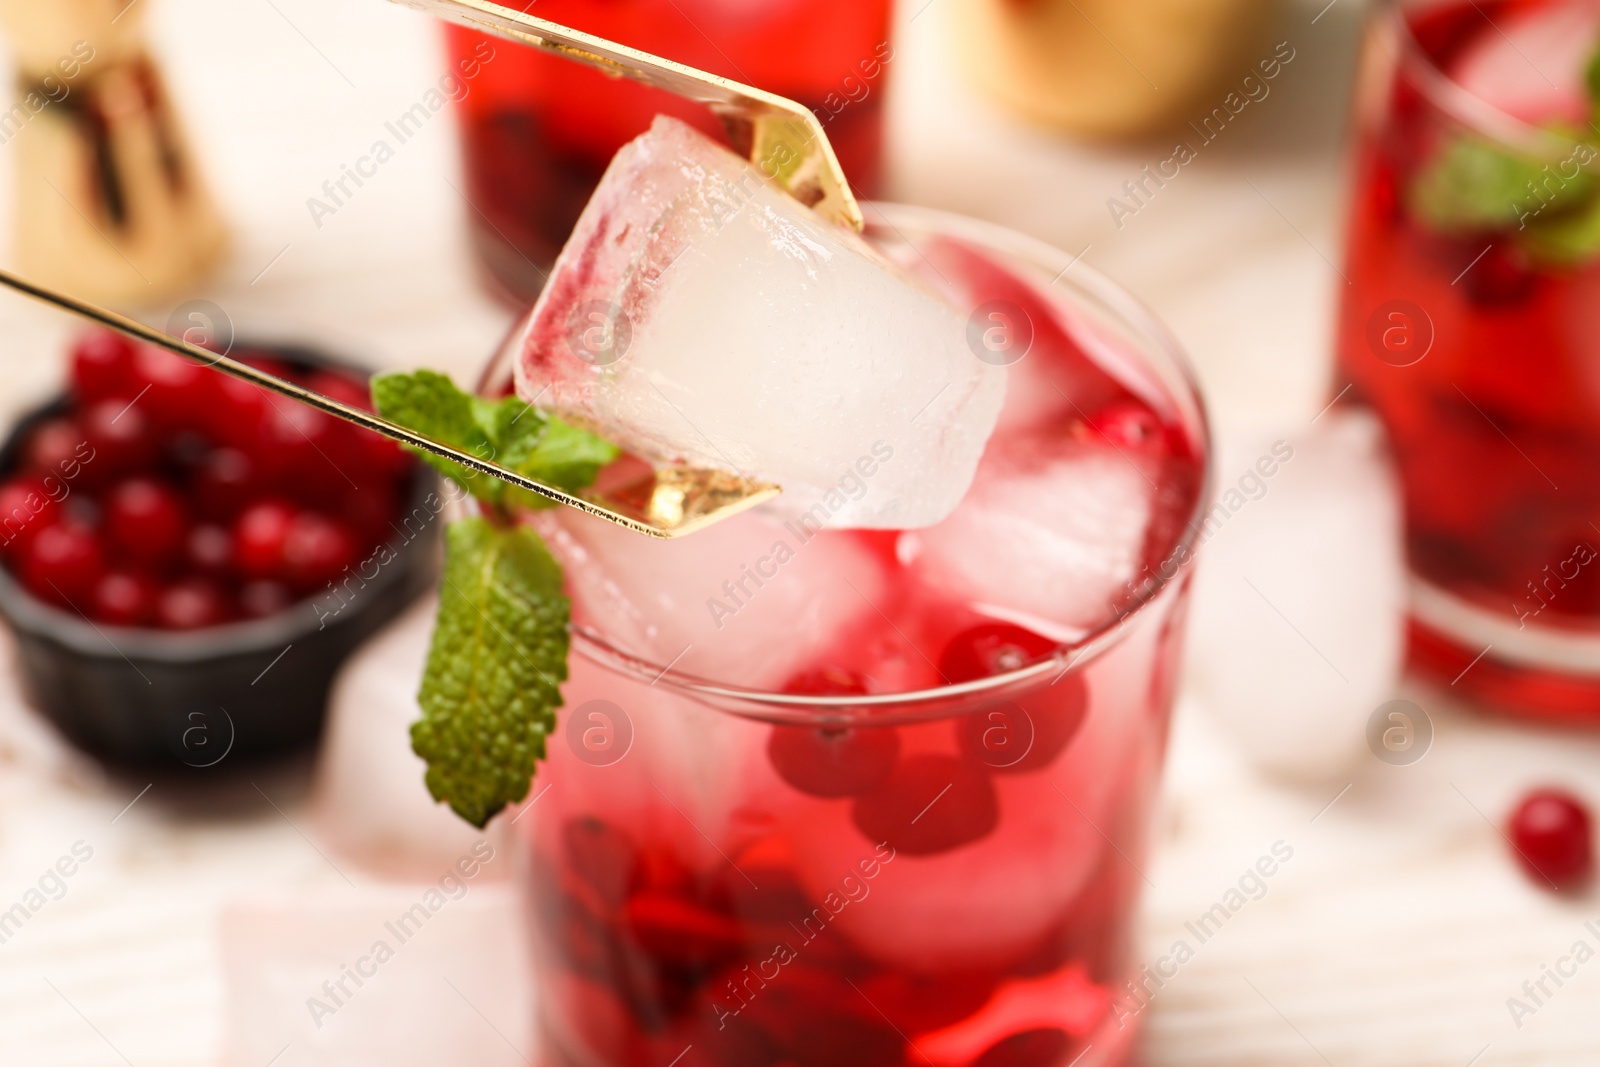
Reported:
(225, 695)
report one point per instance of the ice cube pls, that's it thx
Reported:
(748, 601)
(1051, 533)
(1299, 604)
(368, 802)
(700, 315)
(1531, 63)
(402, 976)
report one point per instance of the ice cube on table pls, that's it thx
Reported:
(749, 601)
(1531, 64)
(1298, 620)
(369, 803)
(1052, 533)
(699, 315)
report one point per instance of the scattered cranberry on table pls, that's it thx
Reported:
(1554, 839)
(172, 496)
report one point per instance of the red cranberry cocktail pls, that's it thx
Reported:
(1474, 270)
(889, 802)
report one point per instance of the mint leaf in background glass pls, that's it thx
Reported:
(499, 654)
(1566, 239)
(1473, 186)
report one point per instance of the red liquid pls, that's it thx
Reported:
(1497, 427)
(539, 131)
(712, 889)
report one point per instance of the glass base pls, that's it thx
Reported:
(1535, 672)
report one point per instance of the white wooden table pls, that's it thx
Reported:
(1393, 936)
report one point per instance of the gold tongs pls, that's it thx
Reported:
(779, 136)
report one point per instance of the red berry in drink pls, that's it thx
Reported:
(991, 648)
(121, 439)
(122, 598)
(145, 520)
(179, 392)
(833, 761)
(1015, 737)
(929, 804)
(316, 550)
(1045, 1046)
(26, 508)
(1130, 426)
(263, 598)
(191, 604)
(828, 682)
(62, 564)
(1553, 835)
(680, 935)
(258, 537)
(102, 367)
(225, 481)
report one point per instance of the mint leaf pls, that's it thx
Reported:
(1473, 185)
(1569, 238)
(499, 654)
(566, 457)
(507, 431)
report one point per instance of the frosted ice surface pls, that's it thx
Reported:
(750, 600)
(700, 315)
(1052, 530)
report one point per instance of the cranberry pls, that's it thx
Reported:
(1504, 275)
(371, 515)
(929, 804)
(1046, 1046)
(838, 761)
(916, 1002)
(238, 413)
(122, 598)
(26, 508)
(102, 367)
(258, 536)
(261, 599)
(62, 564)
(1554, 838)
(56, 448)
(1131, 426)
(991, 648)
(180, 391)
(300, 447)
(828, 682)
(1010, 738)
(208, 549)
(120, 436)
(316, 550)
(191, 604)
(145, 519)
(602, 858)
(225, 482)
(680, 935)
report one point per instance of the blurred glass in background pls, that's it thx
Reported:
(538, 131)
(1469, 325)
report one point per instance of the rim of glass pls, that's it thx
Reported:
(1090, 286)
(1449, 97)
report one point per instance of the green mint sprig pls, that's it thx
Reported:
(1549, 209)
(499, 652)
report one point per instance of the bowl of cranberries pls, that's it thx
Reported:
(186, 558)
